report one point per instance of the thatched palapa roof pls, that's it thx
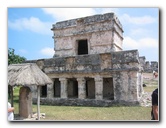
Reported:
(27, 74)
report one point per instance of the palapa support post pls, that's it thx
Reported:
(11, 90)
(38, 102)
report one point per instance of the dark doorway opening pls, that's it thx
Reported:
(90, 88)
(108, 90)
(44, 91)
(57, 87)
(72, 88)
(82, 47)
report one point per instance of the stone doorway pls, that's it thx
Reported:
(72, 88)
(82, 47)
(43, 91)
(108, 90)
(90, 88)
(57, 88)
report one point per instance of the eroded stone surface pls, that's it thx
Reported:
(89, 66)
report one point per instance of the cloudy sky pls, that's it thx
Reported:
(29, 29)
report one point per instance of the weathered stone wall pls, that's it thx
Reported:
(103, 33)
(85, 102)
(127, 92)
(129, 75)
(121, 68)
(114, 61)
(125, 60)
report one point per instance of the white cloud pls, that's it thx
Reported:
(61, 14)
(105, 10)
(33, 24)
(36, 25)
(137, 20)
(47, 51)
(139, 31)
(68, 13)
(23, 51)
(129, 43)
(148, 43)
(143, 43)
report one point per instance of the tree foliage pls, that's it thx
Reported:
(14, 59)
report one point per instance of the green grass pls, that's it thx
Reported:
(150, 88)
(68, 113)
(151, 83)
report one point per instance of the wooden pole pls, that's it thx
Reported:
(11, 89)
(38, 102)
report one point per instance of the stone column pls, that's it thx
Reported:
(63, 82)
(25, 102)
(50, 90)
(139, 84)
(81, 88)
(98, 88)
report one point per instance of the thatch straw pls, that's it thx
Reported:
(27, 74)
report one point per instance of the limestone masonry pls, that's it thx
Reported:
(89, 66)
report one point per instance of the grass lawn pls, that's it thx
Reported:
(76, 113)
(150, 88)
(80, 113)
(69, 113)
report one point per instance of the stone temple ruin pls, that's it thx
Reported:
(147, 66)
(89, 66)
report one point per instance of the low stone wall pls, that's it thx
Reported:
(84, 102)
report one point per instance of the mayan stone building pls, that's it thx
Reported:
(89, 66)
(147, 66)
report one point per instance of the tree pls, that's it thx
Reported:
(14, 59)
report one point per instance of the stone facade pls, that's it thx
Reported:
(93, 34)
(89, 66)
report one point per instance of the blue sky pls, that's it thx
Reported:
(29, 29)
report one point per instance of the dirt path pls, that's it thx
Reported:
(149, 80)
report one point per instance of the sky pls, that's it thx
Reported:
(30, 35)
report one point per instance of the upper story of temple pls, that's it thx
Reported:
(88, 35)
